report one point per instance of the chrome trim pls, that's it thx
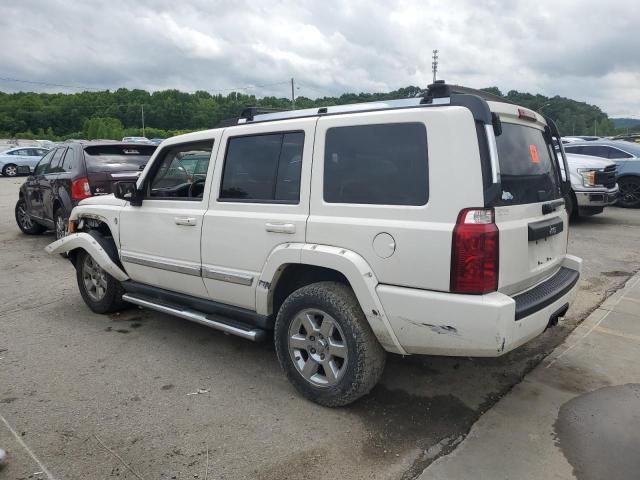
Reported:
(223, 276)
(493, 154)
(254, 334)
(171, 267)
(126, 174)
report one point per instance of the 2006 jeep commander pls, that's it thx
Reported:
(430, 225)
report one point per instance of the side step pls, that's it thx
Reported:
(209, 320)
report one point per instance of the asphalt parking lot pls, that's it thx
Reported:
(87, 394)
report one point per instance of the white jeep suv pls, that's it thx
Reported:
(430, 225)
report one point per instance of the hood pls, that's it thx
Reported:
(586, 161)
(103, 200)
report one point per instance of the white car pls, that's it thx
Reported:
(431, 225)
(593, 184)
(12, 159)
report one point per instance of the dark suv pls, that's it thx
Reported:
(70, 173)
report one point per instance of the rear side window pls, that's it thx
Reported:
(263, 168)
(384, 164)
(56, 161)
(614, 153)
(528, 172)
(115, 158)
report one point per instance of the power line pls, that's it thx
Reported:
(19, 80)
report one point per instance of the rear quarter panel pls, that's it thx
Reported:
(422, 234)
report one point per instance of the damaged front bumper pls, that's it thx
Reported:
(440, 323)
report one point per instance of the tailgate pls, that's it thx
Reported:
(530, 215)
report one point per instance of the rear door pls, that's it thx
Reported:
(257, 203)
(47, 183)
(530, 216)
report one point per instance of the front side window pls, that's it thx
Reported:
(174, 177)
(384, 164)
(263, 168)
(43, 164)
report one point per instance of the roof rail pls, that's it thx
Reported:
(250, 112)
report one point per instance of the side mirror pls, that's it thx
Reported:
(128, 191)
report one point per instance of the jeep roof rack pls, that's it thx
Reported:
(438, 93)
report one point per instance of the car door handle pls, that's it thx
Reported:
(276, 227)
(188, 221)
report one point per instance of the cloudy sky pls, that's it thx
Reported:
(588, 50)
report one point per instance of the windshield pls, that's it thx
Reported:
(528, 170)
(111, 158)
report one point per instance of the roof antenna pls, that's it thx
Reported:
(434, 64)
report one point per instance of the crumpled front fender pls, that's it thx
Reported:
(92, 247)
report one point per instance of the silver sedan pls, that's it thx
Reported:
(16, 157)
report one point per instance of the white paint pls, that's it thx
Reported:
(27, 449)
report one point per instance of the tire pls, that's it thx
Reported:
(10, 170)
(335, 363)
(571, 205)
(60, 220)
(629, 196)
(24, 221)
(100, 291)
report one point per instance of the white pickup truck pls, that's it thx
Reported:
(593, 185)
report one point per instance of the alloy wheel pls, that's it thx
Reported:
(11, 171)
(630, 192)
(23, 217)
(94, 279)
(61, 228)
(318, 348)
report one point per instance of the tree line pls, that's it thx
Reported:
(114, 114)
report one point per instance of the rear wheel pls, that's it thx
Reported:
(326, 346)
(10, 170)
(629, 192)
(100, 291)
(24, 221)
(60, 219)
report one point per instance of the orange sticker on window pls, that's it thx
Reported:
(534, 153)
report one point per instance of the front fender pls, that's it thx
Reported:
(356, 270)
(92, 247)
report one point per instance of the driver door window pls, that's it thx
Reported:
(176, 177)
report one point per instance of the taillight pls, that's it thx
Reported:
(475, 252)
(80, 189)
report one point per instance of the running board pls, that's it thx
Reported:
(209, 320)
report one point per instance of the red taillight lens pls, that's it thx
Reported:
(80, 189)
(475, 252)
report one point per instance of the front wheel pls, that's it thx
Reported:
(100, 291)
(24, 221)
(10, 170)
(629, 196)
(325, 345)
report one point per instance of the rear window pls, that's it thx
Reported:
(112, 158)
(382, 164)
(528, 171)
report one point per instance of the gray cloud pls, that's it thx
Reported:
(580, 49)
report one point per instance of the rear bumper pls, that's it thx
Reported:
(438, 323)
(597, 197)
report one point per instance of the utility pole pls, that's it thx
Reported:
(142, 112)
(434, 64)
(293, 97)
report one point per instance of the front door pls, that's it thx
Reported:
(257, 203)
(160, 239)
